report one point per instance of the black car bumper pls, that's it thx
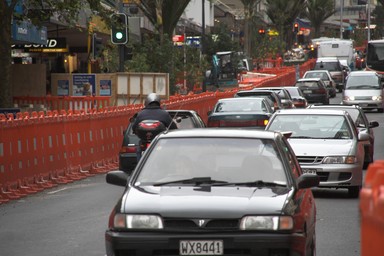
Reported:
(241, 243)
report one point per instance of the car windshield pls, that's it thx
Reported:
(313, 126)
(321, 75)
(213, 161)
(246, 105)
(363, 82)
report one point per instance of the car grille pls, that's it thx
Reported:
(363, 97)
(201, 224)
(310, 159)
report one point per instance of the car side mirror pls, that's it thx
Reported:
(373, 124)
(117, 177)
(308, 180)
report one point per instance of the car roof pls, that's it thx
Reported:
(363, 73)
(312, 79)
(327, 59)
(220, 133)
(242, 99)
(332, 106)
(317, 71)
(310, 111)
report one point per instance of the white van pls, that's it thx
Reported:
(364, 88)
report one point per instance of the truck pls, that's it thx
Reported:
(340, 48)
(226, 69)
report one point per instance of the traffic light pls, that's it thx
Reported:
(119, 31)
(296, 27)
(261, 31)
(97, 46)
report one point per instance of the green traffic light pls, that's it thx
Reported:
(119, 35)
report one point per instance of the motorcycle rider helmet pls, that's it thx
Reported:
(152, 98)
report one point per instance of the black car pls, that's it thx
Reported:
(286, 99)
(362, 124)
(214, 192)
(314, 90)
(268, 94)
(245, 112)
(127, 155)
(297, 96)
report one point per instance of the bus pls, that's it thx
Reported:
(375, 56)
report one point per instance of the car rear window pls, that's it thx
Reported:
(308, 84)
(330, 66)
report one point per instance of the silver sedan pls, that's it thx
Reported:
(326, 142)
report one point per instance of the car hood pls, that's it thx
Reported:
(188, 201)
(320, 147)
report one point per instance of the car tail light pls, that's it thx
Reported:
(321, 91)
(213, 123)
(131, 148)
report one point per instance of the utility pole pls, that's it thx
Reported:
(369, 20)
(341, 18)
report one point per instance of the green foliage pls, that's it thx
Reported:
(151, 56)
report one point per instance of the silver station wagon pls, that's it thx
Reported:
(326, 142)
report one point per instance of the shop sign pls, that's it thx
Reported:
(51, 45)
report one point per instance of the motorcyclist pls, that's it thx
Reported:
(152, 111)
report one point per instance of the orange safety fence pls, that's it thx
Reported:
(40, 150)
(372, 210)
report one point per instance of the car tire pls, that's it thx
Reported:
(353, 192)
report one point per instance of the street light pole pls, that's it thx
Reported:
(369, 20)
(341, 18)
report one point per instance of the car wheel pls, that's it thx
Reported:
(353, 192)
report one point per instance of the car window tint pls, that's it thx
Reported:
(218, 158)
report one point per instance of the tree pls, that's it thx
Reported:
(249, 11)
(283, 13)
(163, 14)
(317, 11)
(37, 12)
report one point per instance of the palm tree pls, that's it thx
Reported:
(249, 11)
(283, 13)
(317, 11)
(163, 14)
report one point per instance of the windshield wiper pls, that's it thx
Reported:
(301, 137)
(256, 183)
(195, 181)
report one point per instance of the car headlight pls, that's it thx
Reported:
(266, 223)
(137, 221)
(339, 160)
(349, 98)
(378, 98)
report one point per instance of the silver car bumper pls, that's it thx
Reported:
(337, 175)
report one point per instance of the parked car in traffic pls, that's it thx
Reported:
(326, 142)
(127, 155)
(333, 65)
(324, 75)
(362, 124)
(364, 88)
(246, 112)
(268, 94)
(314, 90)
(284, 95)
(214, 192)
(298, 97)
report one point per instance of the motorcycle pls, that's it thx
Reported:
(147, 130)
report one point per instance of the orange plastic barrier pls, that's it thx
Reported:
(372, 210)
(40, 150)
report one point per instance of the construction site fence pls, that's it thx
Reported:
(42, 149)
(372, 210)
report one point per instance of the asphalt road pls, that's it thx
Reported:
(71, 219)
